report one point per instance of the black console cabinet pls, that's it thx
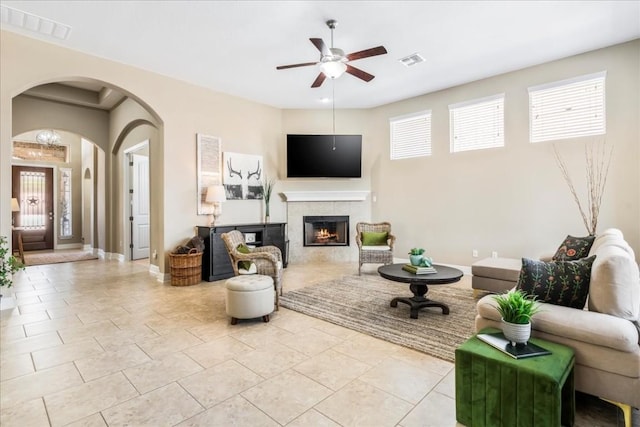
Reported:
(216, 264)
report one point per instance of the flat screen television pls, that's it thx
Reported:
(324, 156)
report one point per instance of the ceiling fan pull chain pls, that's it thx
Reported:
(333, 108)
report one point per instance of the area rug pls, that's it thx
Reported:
(361, 303)
(41, 258)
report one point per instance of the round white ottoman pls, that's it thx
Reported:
(249, 296)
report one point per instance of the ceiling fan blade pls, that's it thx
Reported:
(319, 80)
(319, 44)
(304, 64)
(374, 51)
(359, 73)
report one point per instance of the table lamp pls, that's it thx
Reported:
(15, 207)
(215, 195)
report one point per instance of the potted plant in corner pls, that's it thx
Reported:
(8, 265)
(415, 256)
(516, 309)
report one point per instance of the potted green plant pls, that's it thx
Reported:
(516, 309)
(415, 256)
(8, 264)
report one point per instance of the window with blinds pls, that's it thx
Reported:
(410, 135)
(477, 124)
(568, 109)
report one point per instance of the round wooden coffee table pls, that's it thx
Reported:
(418, 284)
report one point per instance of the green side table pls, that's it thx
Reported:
(494, 389)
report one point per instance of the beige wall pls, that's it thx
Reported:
(510, 200)
(181, 109)
(33, 113)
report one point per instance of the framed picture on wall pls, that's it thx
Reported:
(242, 176)
(209, 160)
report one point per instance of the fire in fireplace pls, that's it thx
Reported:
(326, 230)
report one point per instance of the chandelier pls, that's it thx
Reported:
(48, 137)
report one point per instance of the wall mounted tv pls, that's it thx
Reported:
(324, 156)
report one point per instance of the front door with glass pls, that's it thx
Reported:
(33, 187)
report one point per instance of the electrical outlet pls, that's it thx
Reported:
(494, 254)
(474, 253)
(155, 254)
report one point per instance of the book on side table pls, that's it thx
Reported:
(520, 351)
(418, 270)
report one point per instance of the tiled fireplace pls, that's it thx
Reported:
(352, 205)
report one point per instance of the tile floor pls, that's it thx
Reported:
(97, 343)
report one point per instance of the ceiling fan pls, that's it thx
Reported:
(333, 62)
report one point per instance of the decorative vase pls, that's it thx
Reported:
(266, 213)
(516, 333)
(415, 259)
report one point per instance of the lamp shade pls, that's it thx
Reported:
(15, 207)
(333, 69)
(216, 193)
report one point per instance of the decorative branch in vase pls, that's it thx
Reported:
(267, 185)
(598, 159)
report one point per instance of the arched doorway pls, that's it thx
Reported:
(53, 182)
(62, 105)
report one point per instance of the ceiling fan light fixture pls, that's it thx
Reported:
(333, 69)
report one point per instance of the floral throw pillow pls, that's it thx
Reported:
(574, 248)
(557, 282)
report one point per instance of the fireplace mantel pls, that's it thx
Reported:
(325, 196)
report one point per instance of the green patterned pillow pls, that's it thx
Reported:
(374, 238)
(574, 248)
(557, 282)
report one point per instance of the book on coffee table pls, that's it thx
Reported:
(418, 270)
(519, 351)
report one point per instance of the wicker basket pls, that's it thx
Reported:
(186, 269)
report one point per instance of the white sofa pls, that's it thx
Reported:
(605, 335)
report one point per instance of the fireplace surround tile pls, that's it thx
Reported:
(357, 211)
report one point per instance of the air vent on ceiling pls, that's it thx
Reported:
(412, 59)
(28, 21)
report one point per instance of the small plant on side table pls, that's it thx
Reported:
(8, 264)
(415, 255)
(516, 309)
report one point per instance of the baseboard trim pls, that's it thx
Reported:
(110, 256)
(69, 246)
(154, 271)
